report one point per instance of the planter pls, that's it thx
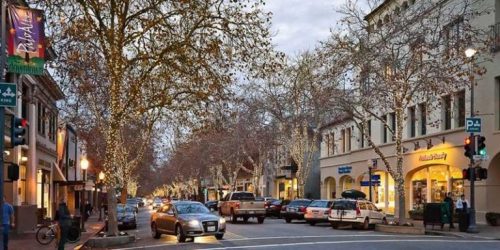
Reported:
(105, 242)
(400, 229)
(493, 219)
(416, 214)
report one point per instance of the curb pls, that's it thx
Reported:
(400, 229)
(83, 243)
(459, 235)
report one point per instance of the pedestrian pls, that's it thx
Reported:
(8, 221)
(87, 209)
(461, 205)
(64, 221)
(450, 203)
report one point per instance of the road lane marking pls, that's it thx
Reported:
(333, 236)
(348, 242)
(231, 235)
(150, 246)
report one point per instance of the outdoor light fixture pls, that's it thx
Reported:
(84, 164)
(443, 139)
(24, 158)
(429, 144)
(6, 152)
(470, 52)
(416, 146)
(101, 176)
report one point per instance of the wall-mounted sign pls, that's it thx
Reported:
(431, 157)
(344, 169)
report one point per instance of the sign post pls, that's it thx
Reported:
(3, 59)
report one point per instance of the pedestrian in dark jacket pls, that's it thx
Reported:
(88, 210)
(450, 203)
(64, 220)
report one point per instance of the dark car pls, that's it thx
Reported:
(133, 203)
(140, 201)
(126, 216)
(212, 205)
(295, 210)
(274, 208)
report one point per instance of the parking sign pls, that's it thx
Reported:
(473, 125)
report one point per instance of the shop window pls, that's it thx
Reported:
(383, 194)
(346, 182)
(460, 97)
(446, 103)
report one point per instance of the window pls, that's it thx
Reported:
(384, 129)
(348, 139)
(327, 143)
(392, 117)
(412, 119)
(52, 127)
(342, 134)
(369, 125)
(41, 113)
(361, 138)
(453, 35)
(423, 118)
(461, 108)
(447, 112)
(332, 143)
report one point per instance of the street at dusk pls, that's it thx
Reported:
(250, 124)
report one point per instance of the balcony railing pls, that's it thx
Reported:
(495, 36)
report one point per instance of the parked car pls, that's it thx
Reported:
(157, 203)
(212, 205)
(357, 213)
(186, 219)
(133, 203)
(274, 208)
(295, 210)
(126, 216)
(140, 201)
(242, 205)
(318, 211)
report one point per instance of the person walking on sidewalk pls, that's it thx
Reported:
(8, 221)
(88, 210)
(450, 203)
(64, 220)
(461, 205)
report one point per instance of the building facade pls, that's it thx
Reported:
(433, 141)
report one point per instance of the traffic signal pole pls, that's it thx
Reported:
(3, 60)
(472, 212)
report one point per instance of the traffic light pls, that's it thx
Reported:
(469, 149)
(466, 174)
(13, 172)
(481, 173)
(17, 131)
(481, 147)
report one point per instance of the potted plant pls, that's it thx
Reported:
(417, 214)
(493, 219)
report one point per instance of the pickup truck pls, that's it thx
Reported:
(242, 205)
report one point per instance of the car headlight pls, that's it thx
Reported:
(222, 220)
(194, 223)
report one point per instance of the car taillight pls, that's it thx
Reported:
(237, 205)
(328, 211)
(283, 208)
(358, 211)
(302, 209)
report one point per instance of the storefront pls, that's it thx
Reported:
(287, 189)
(383, 192)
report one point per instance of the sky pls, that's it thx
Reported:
(298, 25)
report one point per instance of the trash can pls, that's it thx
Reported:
(463, 221)
(75, 222)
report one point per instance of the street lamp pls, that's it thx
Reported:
(101, 179)
(470, 53)
(84, 165)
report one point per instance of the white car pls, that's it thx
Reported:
(357, 213)
(318, 211)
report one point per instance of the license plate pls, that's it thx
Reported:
(211, 229)
(120, 222)
(251, 212)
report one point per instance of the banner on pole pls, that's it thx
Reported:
(26, 41)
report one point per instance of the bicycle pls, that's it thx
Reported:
(47, 233)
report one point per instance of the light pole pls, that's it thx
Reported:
(469, 53)
(101, 179)
(84, 164)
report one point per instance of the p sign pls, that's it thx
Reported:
(473, 125)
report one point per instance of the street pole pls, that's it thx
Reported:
(99, 200)
(2, 109)
(472, 216)
(370, 182)
(82, 202)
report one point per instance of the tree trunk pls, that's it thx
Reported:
(401, 202)
(112, 219)
(124, 193)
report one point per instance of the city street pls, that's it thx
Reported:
(276, 234)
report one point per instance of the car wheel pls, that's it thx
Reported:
(288, 220)
(219, 236)
(245, 219)
(154, 231)
(384, 221)
(233, 217)
(180, 234)
(312, 223)
(261, 219)
(334, 225)
(366, 224)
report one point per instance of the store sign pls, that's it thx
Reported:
(432, 157)
(367, 183)
(345, 169)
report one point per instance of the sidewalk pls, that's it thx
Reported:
(28, 241)
(485, 231)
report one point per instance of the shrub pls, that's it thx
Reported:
(417, 214)
(493, 218)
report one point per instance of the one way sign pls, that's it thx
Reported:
(473, 125)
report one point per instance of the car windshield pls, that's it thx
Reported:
(298, 203)
(276, 202)
(319, 204)
(123, 209)
(132, 201)
(344, 205)
(243, 196)
(191, 208)
(157, 200)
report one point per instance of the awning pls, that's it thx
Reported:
(58, 174)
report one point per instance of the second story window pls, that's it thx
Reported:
(361, 138)
(412, 120)
(392, 117)
(332, 144)
(446, 103)
(369, 127)
(41, 113)
(348, 139)
(423, 118)
(460, 108)
(343, 142)
(384, 129)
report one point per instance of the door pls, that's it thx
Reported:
(375, 215)
(161, 217)
(170, 219)
(224, 205)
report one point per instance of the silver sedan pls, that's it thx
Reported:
(186, 219)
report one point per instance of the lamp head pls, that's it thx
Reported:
(84, 164)
(470, 52)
